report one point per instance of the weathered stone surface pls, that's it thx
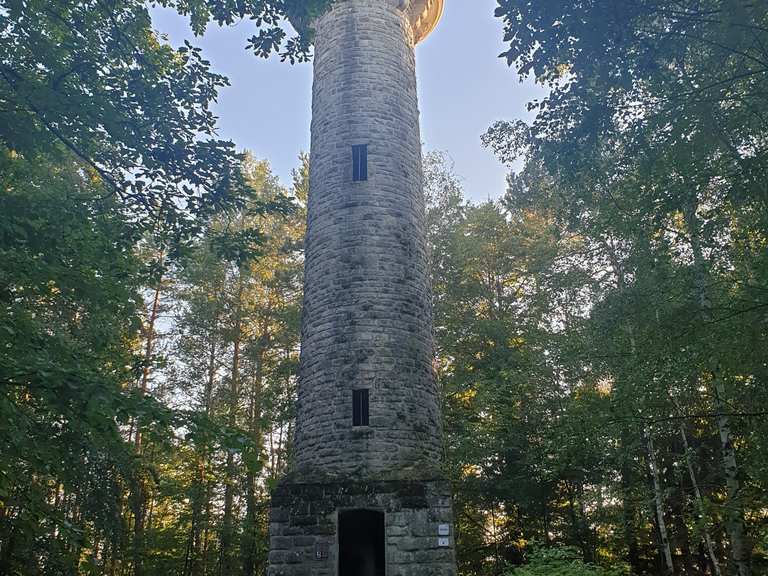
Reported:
(411, 533)
(367, 320)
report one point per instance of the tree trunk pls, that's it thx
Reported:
(733, 506)
(139, 495)
(669, 567)
(250, 532)
(226, 542)
(700, 508)
(588, 535)
(207, 530)
(740, 552)
(138, 528)
(579, 526)
(150, 339)
(629, 512)
(681, 535)
(200, 494)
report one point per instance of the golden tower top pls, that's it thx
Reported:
(424, 16)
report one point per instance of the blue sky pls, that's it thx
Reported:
(463, 88)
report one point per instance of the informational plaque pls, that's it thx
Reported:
(443, 542)
(321, 551)
(444, 530)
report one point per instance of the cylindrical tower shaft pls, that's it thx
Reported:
(368, 404)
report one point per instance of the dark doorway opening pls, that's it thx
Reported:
(361, 543)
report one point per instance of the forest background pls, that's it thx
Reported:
(601, 329)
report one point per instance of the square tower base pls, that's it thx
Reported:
(362, 528)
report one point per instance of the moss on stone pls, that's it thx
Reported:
(301, 13)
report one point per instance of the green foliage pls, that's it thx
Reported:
(562, 561)
(650, 152)
(68, 295)
(90, 79)
(269, 17)
(301, 13)
(601, 331)
(110, 178)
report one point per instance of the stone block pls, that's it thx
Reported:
(304, 540)
(280, 542)
(399, 557)
(278, 515)
(300, 521)
(430, 556)
(293, 557)
(393, 531)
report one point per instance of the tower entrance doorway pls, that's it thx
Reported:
(361, 543)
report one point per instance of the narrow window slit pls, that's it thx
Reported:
(360, 162)
(360, 407)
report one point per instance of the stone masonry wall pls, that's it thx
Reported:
(367, 319)
(303, 522)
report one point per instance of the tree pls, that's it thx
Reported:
(69, 294)
(653, 136)
(111, 174)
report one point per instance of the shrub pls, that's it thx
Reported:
(563, 561)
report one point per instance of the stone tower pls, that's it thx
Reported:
(366, 496)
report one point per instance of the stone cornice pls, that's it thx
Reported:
(422, 14)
